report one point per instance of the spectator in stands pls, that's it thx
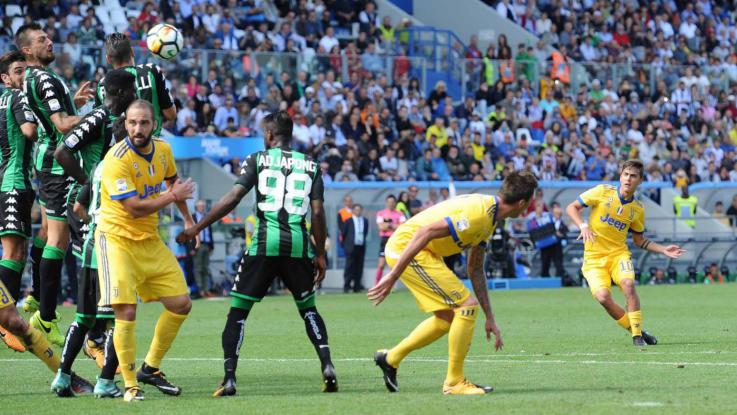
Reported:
(714, 275)
(354, 231)
(225, 113)
(719, 214)
(732, 212)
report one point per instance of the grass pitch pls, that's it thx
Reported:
(563, 355)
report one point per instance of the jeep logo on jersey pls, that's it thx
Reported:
(151, 190)
(618, 225)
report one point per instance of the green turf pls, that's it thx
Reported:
(563, 355)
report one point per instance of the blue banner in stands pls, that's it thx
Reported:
(214, 147)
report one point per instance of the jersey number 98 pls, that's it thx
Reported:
(289, 192)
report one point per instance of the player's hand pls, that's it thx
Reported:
(382, 289)
(587, 235)
(81, 212)
(190, 224)
(183, 190)
(84, 94)
(491, 327)
(320, 265)
(673, 251)
(185, 236)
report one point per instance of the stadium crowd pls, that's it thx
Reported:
(381, 124)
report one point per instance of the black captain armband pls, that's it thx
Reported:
(646, 243)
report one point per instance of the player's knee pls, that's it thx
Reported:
(126, 312)
(470, 302)
(446, 315)
(628, 287)
(603, 296)
(182, 307)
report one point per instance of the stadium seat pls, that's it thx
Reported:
(13, 10)
(112, 4)
(17, 23)
(118, 16)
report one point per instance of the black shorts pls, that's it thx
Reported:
(77, 228)
(382, 245)
(256, 273)
(52, 194)
(15, 212)
(88, 295)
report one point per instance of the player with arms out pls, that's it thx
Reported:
(55, 109)
(415, 253)
(90, 139)
(606, 258)
(150, 82)
(134, 260)
(17, 133)
(288, 183)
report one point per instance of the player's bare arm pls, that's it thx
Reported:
(319, 233)
(64, 122)
(671, 251)
(138, 208)
(480, 288)
(70, 164)
(29, 130)
(223, 206)
(574, 212)
(184, 210)
(436, 230)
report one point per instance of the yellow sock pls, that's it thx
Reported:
(425, 333)
(124, 338)
(166, 330)
(636, 320)
(625, 322)
(459, 341)
(37, 344)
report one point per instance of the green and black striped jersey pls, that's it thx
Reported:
(92, 138)
(15, 148)
(47, 95)
(286, 182)
(89, 197)
(150, 86)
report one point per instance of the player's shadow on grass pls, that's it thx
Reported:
(519, 391)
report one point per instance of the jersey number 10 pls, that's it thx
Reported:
(289, 192)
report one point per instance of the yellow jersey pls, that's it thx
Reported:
(128, 173)
(611, 218)
(471, 219)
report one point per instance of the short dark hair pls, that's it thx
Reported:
(21, 35)
(118, 48)
(7, 60)
(391, 197)
(281, 125)
(118, 80)
(518, 185)
(634, 164)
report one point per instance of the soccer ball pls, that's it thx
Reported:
(164, 41)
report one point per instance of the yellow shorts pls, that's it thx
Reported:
(127, 267)
(6, 300)
(433, 284)
(600, 272)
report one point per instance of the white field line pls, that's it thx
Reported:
(440, 360)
